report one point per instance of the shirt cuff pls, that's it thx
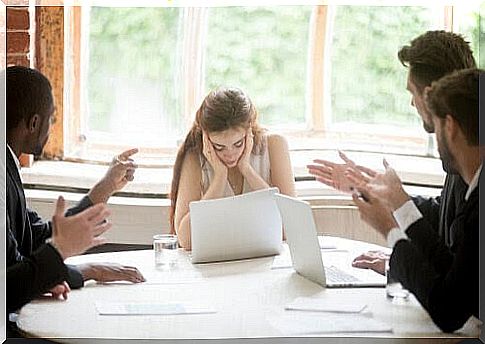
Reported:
(394, 236)
(406, 215)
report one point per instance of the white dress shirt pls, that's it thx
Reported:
(409, 213)
(17, 162)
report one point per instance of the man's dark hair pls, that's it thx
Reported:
(457, 95)
(435, 54)
(28, 92)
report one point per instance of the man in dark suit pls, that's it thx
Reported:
(429, 57)
(45, 268)
(30, 112)
(444, 280)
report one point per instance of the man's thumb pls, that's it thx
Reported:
(60, 206)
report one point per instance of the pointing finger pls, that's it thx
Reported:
(126, 154)
(60, 206)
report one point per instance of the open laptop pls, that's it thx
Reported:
(238, 227)
(301, 235)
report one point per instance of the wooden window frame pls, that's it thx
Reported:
(67, 134)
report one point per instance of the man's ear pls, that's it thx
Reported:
(425, 92)
(452, 127)
(34, 123)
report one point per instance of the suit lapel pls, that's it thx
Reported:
(17, 206)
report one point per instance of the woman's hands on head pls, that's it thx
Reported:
(244, 161)
(220, 170)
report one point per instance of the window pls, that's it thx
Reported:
(326, 76)
(368, 108)
(132, 76)
(264, 52)
(469, 20)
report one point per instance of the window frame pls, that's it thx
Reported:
(195, 20)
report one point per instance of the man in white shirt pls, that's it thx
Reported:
(428, 57)
(444, 281)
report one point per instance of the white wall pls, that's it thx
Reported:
(136, 220)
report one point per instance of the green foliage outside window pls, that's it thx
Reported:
(262, 50)
(367, 80)
(473, 29)
(133, 45)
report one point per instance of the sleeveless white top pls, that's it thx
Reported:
(259, 162)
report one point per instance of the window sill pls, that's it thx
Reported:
(423, 175)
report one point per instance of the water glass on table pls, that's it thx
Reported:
(165, 248)
(394, 289)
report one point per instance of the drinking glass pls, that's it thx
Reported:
(165, 249)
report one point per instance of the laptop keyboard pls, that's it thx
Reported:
(335, 275)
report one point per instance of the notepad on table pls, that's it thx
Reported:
(135, 308)
(312, 304)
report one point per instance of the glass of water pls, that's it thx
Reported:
(165, 248)
(394, 289)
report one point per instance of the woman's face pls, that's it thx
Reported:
(229, 145)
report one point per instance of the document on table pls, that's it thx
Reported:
(312, 304)
(324, 245)
(135, 308)
(300, 323)
(172, 277)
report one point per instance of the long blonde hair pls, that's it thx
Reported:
(222, 109)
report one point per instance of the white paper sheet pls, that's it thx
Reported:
(325, 245)
(173, 277)
(122, 308)
(312, 304)
(303, 323)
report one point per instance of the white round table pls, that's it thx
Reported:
(248, 297)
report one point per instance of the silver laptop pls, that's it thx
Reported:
(238, 227)
(301, 235)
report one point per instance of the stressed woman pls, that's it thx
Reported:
(226, 153)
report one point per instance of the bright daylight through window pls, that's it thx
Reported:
(144, 72)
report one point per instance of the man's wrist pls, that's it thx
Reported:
(87, 271)
(401, 198)
(53, 243)
(101, 192)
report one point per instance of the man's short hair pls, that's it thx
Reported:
(28, 92)
(435, 54)
(456, 95)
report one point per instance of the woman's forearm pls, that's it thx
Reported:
(183, 232)
(215, 190)
(254, 179)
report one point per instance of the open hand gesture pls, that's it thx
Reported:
(387, 186)
(333, 174)
(75, 234)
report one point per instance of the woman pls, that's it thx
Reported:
(226, 153)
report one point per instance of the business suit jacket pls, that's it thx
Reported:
(26, 231)
(34, 275)
(444, 280)
(441, 211)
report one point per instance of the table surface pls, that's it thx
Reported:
(249, 298)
